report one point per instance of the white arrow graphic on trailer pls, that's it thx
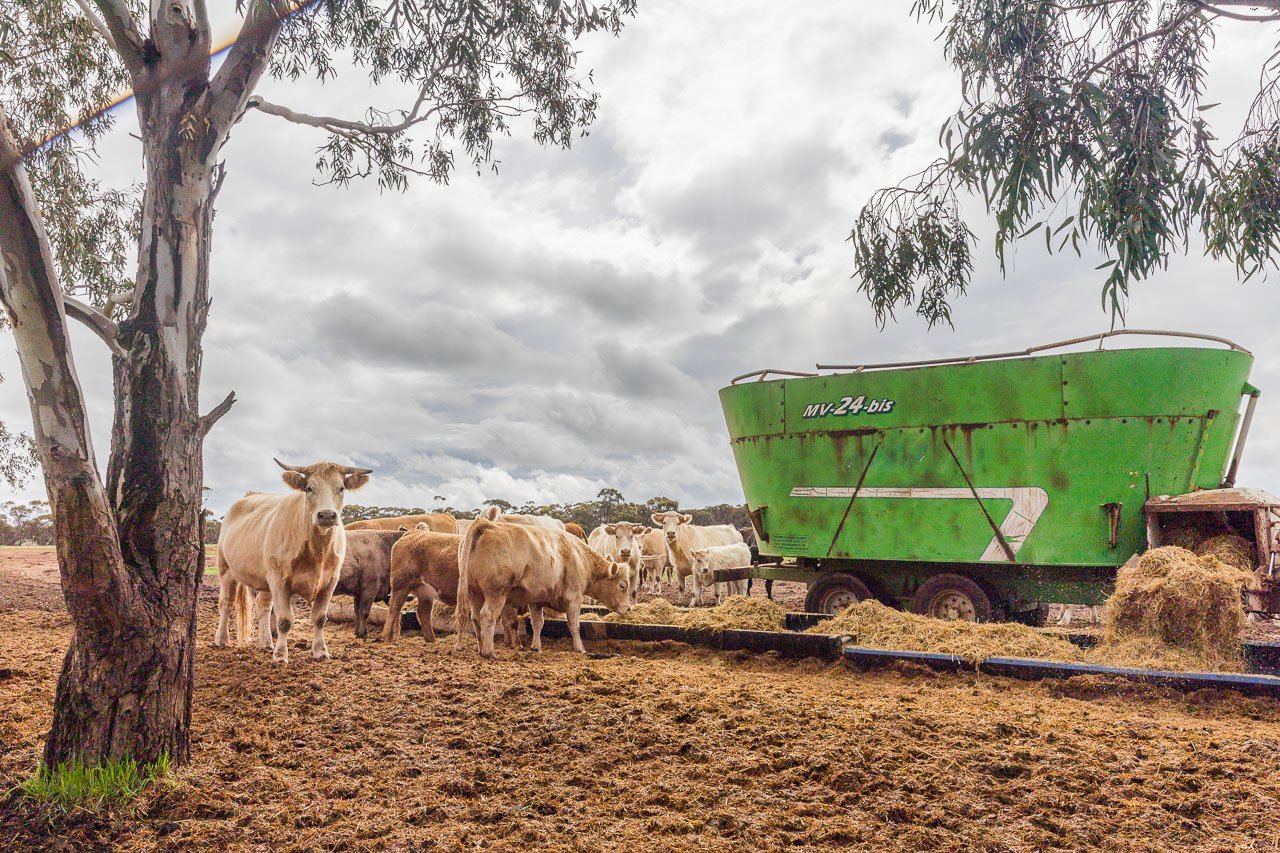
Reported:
(1029, 503)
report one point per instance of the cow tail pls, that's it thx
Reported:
(244, 613)
(463, 618)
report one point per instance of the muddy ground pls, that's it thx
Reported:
(653, 747)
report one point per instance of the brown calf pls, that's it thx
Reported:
(425, 564)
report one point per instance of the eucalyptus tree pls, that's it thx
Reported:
(129, 547)
(1082, 123)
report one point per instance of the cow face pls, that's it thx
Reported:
(626, 540)
(701, 565)
(613, 588)
(669, 521)
(325, 485)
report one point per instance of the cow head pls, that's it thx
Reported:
(611, 585)
(324, 484)
(701, 565)
(626, 540)
(669, 521)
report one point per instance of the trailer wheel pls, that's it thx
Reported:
(834, 592)
(950, 596)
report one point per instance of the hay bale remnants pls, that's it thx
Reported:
(1231, 548)
(873, 625)
(1173, 598)
(749, 614)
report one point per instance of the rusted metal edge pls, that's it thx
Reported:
(1036, 670)
(857, 368)
(763, 373)
(786, 644)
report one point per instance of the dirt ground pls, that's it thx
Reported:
(654, 746)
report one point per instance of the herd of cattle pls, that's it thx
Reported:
(275, 546)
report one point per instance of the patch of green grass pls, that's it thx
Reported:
(77, 786)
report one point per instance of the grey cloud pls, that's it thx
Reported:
(895, 139)
(727, 206)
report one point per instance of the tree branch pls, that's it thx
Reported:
(1212, 8)
(216, 413)
(124, 33)
(101, 325)
(92, 568)
(98, 24)
(348, 128)
(246, 62)
(1134, 42)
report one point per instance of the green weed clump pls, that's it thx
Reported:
(94, 788)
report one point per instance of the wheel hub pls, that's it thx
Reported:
(838, 599)
(952, 604)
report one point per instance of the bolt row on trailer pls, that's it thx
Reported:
(988, 486)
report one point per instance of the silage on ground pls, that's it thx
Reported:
(749, 614)
(873, 625)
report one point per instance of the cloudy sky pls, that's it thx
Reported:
(564, 325)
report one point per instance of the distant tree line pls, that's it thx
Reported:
(26, 524)
(609, 506)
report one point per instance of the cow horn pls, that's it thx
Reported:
(297, 468)
(347, 469)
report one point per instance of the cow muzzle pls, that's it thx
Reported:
(326, 518)
(671, 536)
(625, 553)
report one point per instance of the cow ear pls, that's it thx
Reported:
(613, 570)
(611, 529)
(655, 519)
(491, 513)
(355, 481)
(685, 519)
(294, 480)
(402, 529)
(699, 553)
(422, 525)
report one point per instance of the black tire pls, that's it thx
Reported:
(950, 596)
(834, 592)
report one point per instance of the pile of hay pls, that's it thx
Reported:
(1188, 605)
(1231, 548)
(750, 614)
(873, 625)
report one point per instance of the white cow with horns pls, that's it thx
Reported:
(278, 546)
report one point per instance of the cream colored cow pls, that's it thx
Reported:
(518, 565)
(279, 546)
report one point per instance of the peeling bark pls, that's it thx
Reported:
(129, 550)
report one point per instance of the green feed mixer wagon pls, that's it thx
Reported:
(986, 487)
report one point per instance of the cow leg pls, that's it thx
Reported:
(364, 604)
(571, 613)
(490, 612)
(391, 630)
(426, 604)
(535, 622)
(319, 616)
(464, 618)
(265, 632)
(227, 594)
(512, 627)
(695, 598)
(283, 607)
(768, 588)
